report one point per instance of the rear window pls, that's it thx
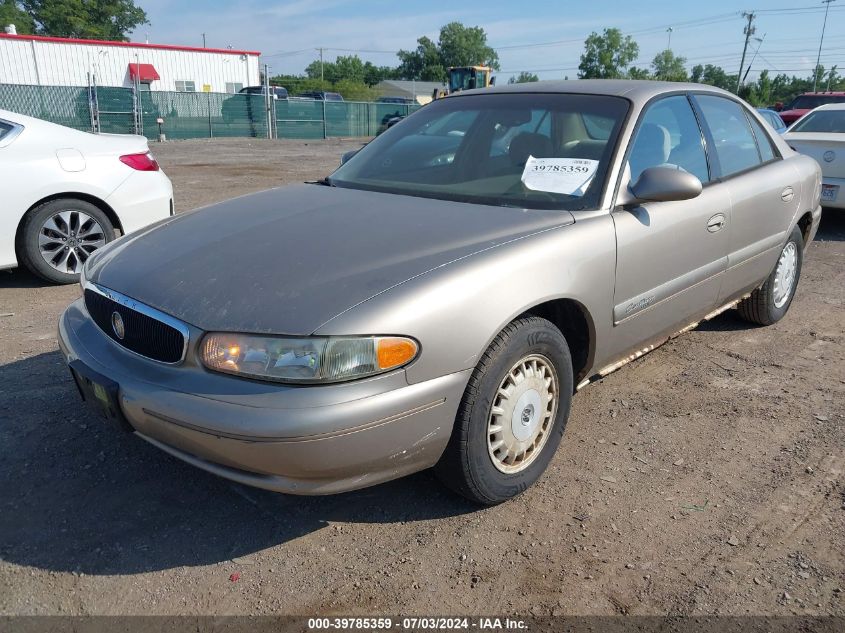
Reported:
(808, 102)
(832, 121)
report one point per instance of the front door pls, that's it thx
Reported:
(671, 256)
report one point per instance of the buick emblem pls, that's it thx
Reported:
(117, 325)
(828, 156)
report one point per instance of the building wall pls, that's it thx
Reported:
(24, 61)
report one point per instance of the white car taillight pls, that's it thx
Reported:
(140, 162)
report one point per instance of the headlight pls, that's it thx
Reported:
(305, 360)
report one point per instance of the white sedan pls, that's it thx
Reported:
(820, 134)
(65, 193)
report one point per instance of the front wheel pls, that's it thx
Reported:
(512, 415)
(770, 302)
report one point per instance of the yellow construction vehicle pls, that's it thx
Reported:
(466, 78)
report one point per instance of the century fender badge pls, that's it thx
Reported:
(117, 325)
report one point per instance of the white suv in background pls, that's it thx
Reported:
(65, 193)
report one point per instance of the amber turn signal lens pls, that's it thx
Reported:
(394, 351)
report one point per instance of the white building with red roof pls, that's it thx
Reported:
(56, 61)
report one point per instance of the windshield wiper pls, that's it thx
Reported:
(326, 182)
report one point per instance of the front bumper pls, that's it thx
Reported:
(301, 440)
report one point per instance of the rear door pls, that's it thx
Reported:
(764, 190)
(670, 255)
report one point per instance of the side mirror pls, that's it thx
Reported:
(347, 155)
(664, 184)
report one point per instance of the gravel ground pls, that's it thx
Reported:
(705, 478)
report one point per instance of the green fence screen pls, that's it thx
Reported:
(196, 114)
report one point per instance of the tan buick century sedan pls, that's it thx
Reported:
(437, 301)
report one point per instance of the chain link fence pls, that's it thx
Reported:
(185, 115)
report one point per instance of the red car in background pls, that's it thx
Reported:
(803, 103)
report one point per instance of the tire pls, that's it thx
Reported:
(66, 231)
(768, 303)
(471, 465)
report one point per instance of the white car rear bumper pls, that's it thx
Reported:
(143, 198)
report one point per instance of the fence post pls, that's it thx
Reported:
(208, 106)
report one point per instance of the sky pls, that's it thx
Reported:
(540, 36)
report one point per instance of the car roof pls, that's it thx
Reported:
(831, 106)
(633, 89)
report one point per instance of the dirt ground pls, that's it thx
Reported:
(705, 478)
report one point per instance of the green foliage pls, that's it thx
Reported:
(523, 78)
(713, 76)
(355, 90)
(350, 68)
(607, 56)
(11, 13)
(91, 19)
(350, 89)
(458, 45)
(638, 73)
(669, 67)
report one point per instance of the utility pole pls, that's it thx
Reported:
(669, 31)
(321, 67)
(749, 31)
(203, 40)
(826, 4)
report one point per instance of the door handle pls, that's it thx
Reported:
(716, 222)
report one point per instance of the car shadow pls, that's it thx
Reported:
(832, 226)
(78, 495)
(21, 278)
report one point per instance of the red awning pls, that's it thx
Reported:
(142, 72)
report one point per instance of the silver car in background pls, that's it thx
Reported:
(437, 301)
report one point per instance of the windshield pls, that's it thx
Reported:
(808, 102)
(542, 151)
(461, 79)
(822, 121)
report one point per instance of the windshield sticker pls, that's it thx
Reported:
(570, 176)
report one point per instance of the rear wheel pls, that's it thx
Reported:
(770, 302)
(512, 415)
(59, 236)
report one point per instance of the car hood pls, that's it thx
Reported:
(287, 260)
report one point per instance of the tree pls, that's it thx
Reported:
(523, 78)
(11, 13)
(461, 45)
(422, 64)
(638, 73)
(607, 56)
(713, 76)
(458, 45)
(91, 19)
(669, 67)
(349, 68)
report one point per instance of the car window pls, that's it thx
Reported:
(520, 150)
(808, 102)
(540, 123)
(764, 142)
(775, 120)
(5, 128)
(832, 121)
(735, 145)
(669, 135)
(598, 127)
